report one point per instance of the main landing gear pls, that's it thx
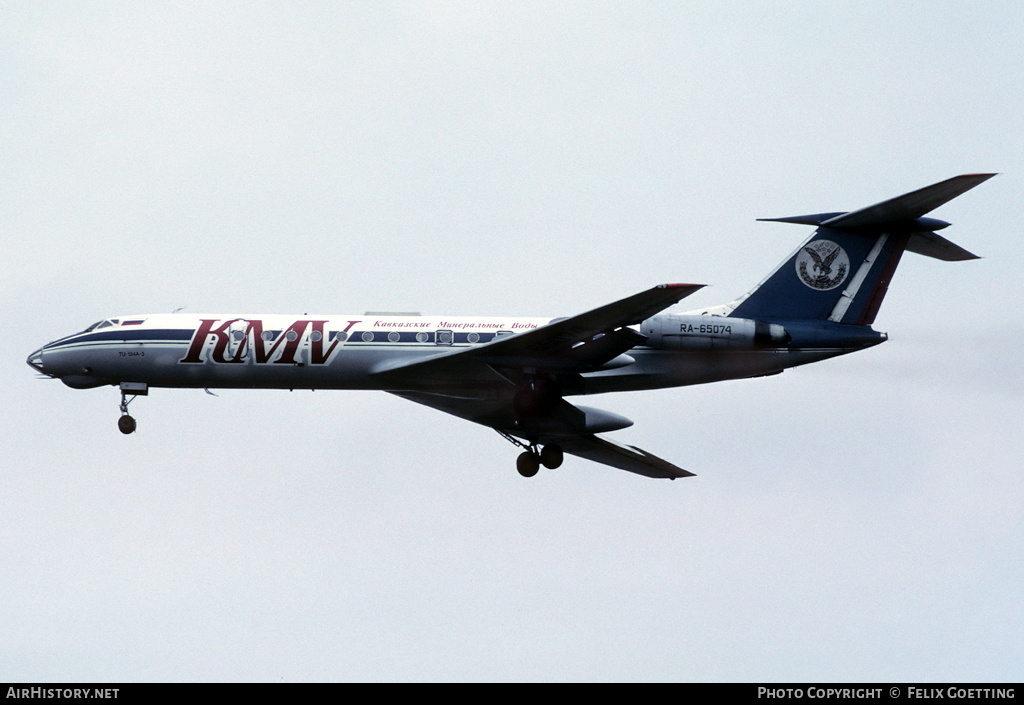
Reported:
(529, 461)
(126, 424)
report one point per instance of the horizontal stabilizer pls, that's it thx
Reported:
(932, 245)
(814, 219)
(909, 206)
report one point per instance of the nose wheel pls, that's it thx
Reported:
(126, 424)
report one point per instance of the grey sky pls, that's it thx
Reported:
(860, 519)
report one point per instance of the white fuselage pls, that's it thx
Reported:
(346, 352)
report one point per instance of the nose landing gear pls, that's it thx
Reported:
(126, 424)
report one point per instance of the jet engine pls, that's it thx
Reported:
(696, 332)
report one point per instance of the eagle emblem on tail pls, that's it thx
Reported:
(822, 265)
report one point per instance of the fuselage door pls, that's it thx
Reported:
(444, 337)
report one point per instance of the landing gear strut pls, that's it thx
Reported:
(126, 424)
(533, 456)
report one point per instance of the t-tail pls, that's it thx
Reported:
(841, 273)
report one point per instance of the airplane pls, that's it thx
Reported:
(515, 374)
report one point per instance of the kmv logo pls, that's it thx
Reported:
(239, 340)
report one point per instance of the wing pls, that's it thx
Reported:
(479, 383)
(577, 344)
(631, 458)
(566, 426)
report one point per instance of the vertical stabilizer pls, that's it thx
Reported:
(842, 272)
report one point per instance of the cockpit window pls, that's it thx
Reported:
(101, 324)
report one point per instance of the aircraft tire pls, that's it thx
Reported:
(527, 464)
(551, 456)
(126, 424)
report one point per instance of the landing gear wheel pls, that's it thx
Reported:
(126, 424)
(527, 464)
(551, 456)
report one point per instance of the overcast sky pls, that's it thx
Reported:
(859, 519)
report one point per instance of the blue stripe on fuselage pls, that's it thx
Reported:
(165, 335)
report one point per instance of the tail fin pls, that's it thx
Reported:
(841, 273)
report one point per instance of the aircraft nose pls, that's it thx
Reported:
(35, 360)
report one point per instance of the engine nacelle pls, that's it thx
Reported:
(696, 332)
